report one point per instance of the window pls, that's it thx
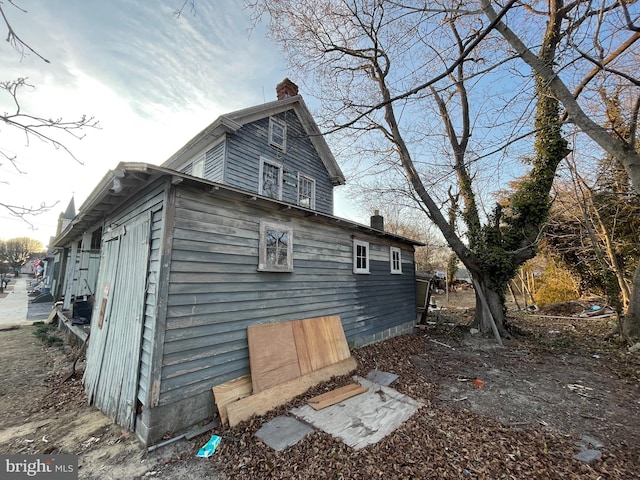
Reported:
(360, 256)
(306, 192)
(395, 258)
(198, 167)
(277, 134)
(270, 179)
(276, 248)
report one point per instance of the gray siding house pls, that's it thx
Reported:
(235, 229)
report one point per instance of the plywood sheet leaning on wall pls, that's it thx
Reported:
(272, 355)
(229, 392)
(288, 358)
(319, 342)
(279, 352)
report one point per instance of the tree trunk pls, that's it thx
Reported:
(631, 323)
(483, 319)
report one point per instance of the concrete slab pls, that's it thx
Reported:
(381, 378)
(283, 432)
(15, 308)
(364, 419)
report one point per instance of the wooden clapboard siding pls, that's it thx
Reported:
(150, 306)
(215, 290)
(248, 144)
(214, 163)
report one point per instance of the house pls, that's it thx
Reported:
(235, 229)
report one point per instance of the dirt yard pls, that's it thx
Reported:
(522, 411)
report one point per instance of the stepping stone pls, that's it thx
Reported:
(588, 455)
(283, 432)
(381, 378)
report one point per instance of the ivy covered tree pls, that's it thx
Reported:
(445, 90)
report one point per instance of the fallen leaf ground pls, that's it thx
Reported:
(556, 381)
(523, 423)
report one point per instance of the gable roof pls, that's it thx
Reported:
(128, 178)
(231, 122)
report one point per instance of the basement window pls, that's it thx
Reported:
(395, 259)
(276, 248)
(360, 256)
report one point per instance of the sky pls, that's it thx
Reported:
(151, 79)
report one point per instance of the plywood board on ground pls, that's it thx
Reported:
(272, 355)
(364, 420)
(261, 402)
(336, 396)
(320, 342)
(229, 392)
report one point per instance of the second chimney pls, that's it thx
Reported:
(377, 221)
(286, 89)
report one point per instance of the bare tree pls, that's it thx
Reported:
(376, 64)
(15, 252)
(612, 32)
(53, 131)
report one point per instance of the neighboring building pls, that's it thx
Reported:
(237, 228)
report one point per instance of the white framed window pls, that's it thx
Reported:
(395, 259)
(306, 191)
(360, 256)
(270, 178)
(277, 134)
(198, 167)
(276, 248)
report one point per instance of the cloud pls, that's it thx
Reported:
(152, 80)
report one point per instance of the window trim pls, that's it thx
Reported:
(301, 178)
(365, 269)
(273, 163)
(272, 124)
(392, 251)
(262, 249)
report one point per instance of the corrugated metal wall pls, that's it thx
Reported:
(215, 291)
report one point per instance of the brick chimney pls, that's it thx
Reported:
(377, 221)
(286, 89)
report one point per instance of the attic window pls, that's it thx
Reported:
(276, 248)
(198, 167)
(306, 192)
(277, 134)
(270, 179)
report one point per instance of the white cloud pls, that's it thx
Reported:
(152, 80)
